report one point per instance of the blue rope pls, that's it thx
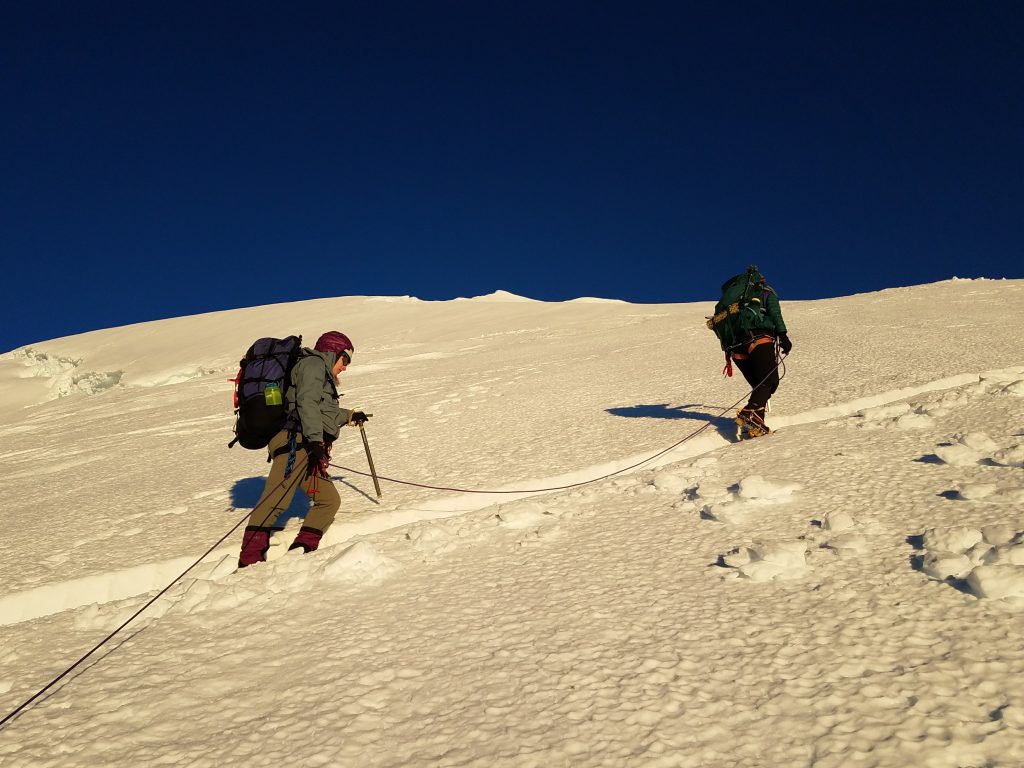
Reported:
(291, 455)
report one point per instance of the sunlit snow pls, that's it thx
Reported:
(848, 591)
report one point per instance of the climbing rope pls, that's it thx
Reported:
(780, 364)
(294, 480)
(294, 477)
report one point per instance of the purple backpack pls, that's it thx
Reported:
(260, 404)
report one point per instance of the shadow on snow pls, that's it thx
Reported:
(246, 493)
(724, 425)
(917, 563)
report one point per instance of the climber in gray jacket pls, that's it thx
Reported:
(314, 421)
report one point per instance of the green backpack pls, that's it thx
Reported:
(740, 310)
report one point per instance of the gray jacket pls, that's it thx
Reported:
(312, 394)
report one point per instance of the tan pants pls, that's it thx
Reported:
(278, 492)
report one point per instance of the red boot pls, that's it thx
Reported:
(255, 543)
(308, 539)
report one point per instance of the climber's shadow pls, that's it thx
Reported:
(724, 425)
(246, 493)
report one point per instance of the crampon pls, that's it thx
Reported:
(750, 424)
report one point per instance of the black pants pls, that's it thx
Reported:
(761, 370)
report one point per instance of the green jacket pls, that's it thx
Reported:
(313, 395)
(772, 321)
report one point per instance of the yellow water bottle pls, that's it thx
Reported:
(272, 395)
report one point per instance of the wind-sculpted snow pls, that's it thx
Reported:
(990, 561)
(61, 376)
(734, 504)
(977, 447)
(788, 601)
(65, 375)
(598, 626)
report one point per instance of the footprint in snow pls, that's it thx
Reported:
(762, 561)
(985, 562)
(990, 493)
(734, 504)
(895, 416)
(972, 448)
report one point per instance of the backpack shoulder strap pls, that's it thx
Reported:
(304, 355)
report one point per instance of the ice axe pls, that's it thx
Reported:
(369, 458)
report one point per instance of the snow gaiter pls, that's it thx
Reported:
(308, 539)
(255, 543)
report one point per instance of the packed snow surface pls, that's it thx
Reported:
(848, 591)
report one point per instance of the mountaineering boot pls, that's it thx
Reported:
(750, 423)
(308, 539)
(255, 543)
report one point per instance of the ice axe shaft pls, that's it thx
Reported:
(369, 460)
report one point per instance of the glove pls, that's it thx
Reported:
(785, 344)
(316, 456)
(358, 418)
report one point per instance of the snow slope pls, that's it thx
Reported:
(848, 591)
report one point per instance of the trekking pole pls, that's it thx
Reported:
(369, 460)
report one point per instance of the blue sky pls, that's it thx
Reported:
(162, 159)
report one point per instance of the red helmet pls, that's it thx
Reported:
(336, 342)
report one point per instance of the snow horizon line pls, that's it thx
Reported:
(497, 296)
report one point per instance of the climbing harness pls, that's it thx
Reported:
(754, 344)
